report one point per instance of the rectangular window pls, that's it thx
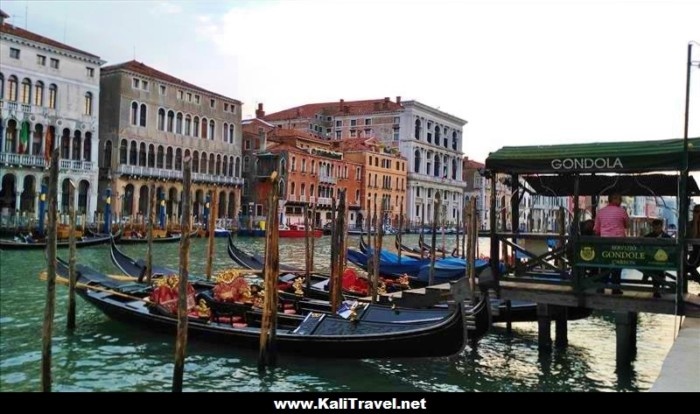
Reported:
(368, 121)
(196, 99)
(247, 144)
(54, 63)
(144, 85)
(225, 107)
(90, 72)
(14, 53)
(353, 122)
(353, 134)
(41, 60)
(337, 134)
(162, 89)
(135, 83)
(233, 108)
(212, 103)
(189, 97)
(180, 95)
(339, 123)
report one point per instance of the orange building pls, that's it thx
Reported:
(384, 177)
(311, 173)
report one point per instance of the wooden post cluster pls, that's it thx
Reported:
(268, 327)
(47, 330)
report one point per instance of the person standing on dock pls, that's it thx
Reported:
(694, 251)
(612, 221)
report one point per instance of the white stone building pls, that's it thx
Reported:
(49, 96)
(431, 141)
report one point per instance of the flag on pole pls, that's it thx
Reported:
(48, 144)
(24, 138)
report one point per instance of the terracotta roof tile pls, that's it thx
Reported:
(372, 106)
(25, 34)
(142, 69)
(473, 165)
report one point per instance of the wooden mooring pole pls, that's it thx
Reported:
(338, 267)
(268, 328)
(307, 246)
(212, 227)
(151, 220)
(436, 215)
(72, 276)
(626, 338)
(185, 226)
(47, 330)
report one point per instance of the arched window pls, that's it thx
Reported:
(77, 141)
(454, 140)
(246, 164)
(12, 88)
(212, 130)
(225, 132)
(292, 188)
(195, 161)
(134, 113)
(26, 96)
(218, 164)
(161, 119)
(436, 168)
(195, 127)
(2, 86)
(143, 154)
(454, 168)
(178, 123)
(87, 147)
(205, 125)
(437, 135)
(444, 138)
(231, 134)
(53, 96)
(178, 159)
(160, 155)
(188, 125)
(416, 161)
(38, 93)
(416, 133)
(237, 172)
(169, 158)
(122, 152)
(142, 115)
(133, 154)
(210, 170)
(171, 119)
(88, 103)
(107, 160)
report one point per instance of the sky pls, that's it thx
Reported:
(519, 72)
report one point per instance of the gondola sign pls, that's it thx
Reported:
(629, 255)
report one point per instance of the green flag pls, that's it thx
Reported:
(24, 138)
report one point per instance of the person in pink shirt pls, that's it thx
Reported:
(612, 221)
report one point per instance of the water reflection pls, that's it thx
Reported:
(105, 355)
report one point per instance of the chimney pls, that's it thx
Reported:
(342, 101)
(398, 100)
(385, 104)
(260, 113)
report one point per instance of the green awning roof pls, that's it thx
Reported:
(615, 157)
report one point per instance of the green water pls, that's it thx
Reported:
(103, 355)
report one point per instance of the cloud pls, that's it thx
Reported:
(166, 7)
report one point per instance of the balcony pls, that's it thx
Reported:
(77, 165)
(23, 160)
(160, 173)
(324, 201)
(292, 198)
(412, 176)
(326, 179)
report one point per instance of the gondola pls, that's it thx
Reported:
(26, 243)
(140, 239)
(319, 288)
(317, 334)
(253, 262)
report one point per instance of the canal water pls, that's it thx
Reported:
(104, 355)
